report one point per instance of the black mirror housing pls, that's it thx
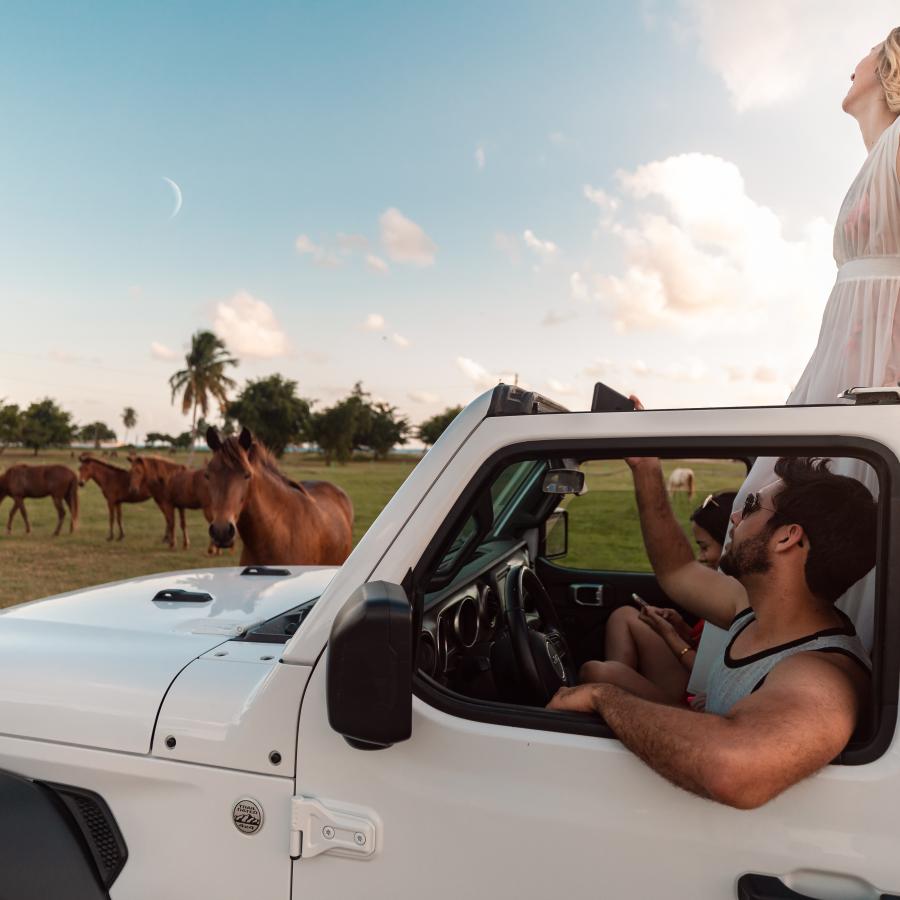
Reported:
(369, 667)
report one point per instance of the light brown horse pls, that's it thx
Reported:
(173, 487)
(58, 482)
(115, 483)
(279, 521)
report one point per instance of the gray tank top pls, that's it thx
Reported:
(732, 679)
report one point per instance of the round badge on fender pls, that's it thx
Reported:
(247, 815)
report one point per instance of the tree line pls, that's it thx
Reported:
(270, 407)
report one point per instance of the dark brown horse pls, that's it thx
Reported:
(173, 487)
(58, 482)
(115, 483)
(279, 521)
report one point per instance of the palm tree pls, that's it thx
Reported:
(203, 377)
(129, 419)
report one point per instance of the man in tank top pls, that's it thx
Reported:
(794, 680)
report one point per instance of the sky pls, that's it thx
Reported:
(427, 198)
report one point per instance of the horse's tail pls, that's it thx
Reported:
(72, 500)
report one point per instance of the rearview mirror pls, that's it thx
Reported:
(563, 481)
(369, 669)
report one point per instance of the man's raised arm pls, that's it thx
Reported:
(699, 589)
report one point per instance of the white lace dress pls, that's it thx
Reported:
(859, 342)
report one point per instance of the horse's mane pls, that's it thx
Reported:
(157, 462)
(233, 455)
(86, 457)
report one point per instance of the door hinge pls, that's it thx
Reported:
(316, 828)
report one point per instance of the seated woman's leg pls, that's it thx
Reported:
(633, 643)
(597, 672)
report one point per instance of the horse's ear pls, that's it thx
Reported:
(246, 439)
(213, 441)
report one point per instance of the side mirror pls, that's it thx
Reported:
(556, 534)
(563, 481)
(369, 668)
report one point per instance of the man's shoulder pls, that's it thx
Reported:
(815, 673)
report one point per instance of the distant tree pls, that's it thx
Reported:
(431, 429)
(184, 441)
(272, 410)
(10, 425)
(96, 432)
(203, 377)
(44, 424)
(385, 429)
(333, 429)
(157, 437)
(129, 419)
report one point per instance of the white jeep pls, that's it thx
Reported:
(378, 730)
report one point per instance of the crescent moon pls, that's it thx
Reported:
(177, 196)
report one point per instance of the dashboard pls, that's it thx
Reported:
(461, 622)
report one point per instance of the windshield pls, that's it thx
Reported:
(507, 492)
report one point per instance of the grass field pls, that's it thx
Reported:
(603, 524)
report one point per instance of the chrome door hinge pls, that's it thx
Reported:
(315, 829)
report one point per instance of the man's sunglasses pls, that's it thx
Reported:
(752, 504)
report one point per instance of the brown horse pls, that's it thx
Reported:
(173, 487)
(58, 482)
(115, 483)
(279, 521)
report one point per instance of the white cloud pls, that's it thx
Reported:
(578, 286)
(546, 250)
(161, 351)
(320, 256)
(374, 322)
(561, 388)
(399, 340)
(352, 243)
(480, 157)
(404, 240)
(557, 138)
(249, 327)
(770, 51)
(423, 397)
(555, 317)
(600, 198)
(714, 260)
(476, 373)
(508, 244)
(376, 263)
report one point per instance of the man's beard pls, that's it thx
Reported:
(750, 557)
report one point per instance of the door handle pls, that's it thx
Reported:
(767, 887)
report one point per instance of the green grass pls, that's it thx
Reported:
(603, 524)
(604, 530)
(38, 565)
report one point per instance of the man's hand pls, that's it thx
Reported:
(583, 698)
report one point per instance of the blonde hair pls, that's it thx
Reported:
(888, 70)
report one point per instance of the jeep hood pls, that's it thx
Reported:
(92, 667)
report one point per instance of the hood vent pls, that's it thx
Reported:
(178, 595)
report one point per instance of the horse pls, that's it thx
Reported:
(115, 483)
(173, 487)
(681, 480)
(58, 482)
(279, 521)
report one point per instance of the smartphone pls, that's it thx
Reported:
(607, 400)
(640, 602)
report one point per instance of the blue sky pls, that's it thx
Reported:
(423, 196)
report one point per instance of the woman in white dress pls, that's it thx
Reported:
(859, 341)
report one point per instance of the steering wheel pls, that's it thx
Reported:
(541, 653)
